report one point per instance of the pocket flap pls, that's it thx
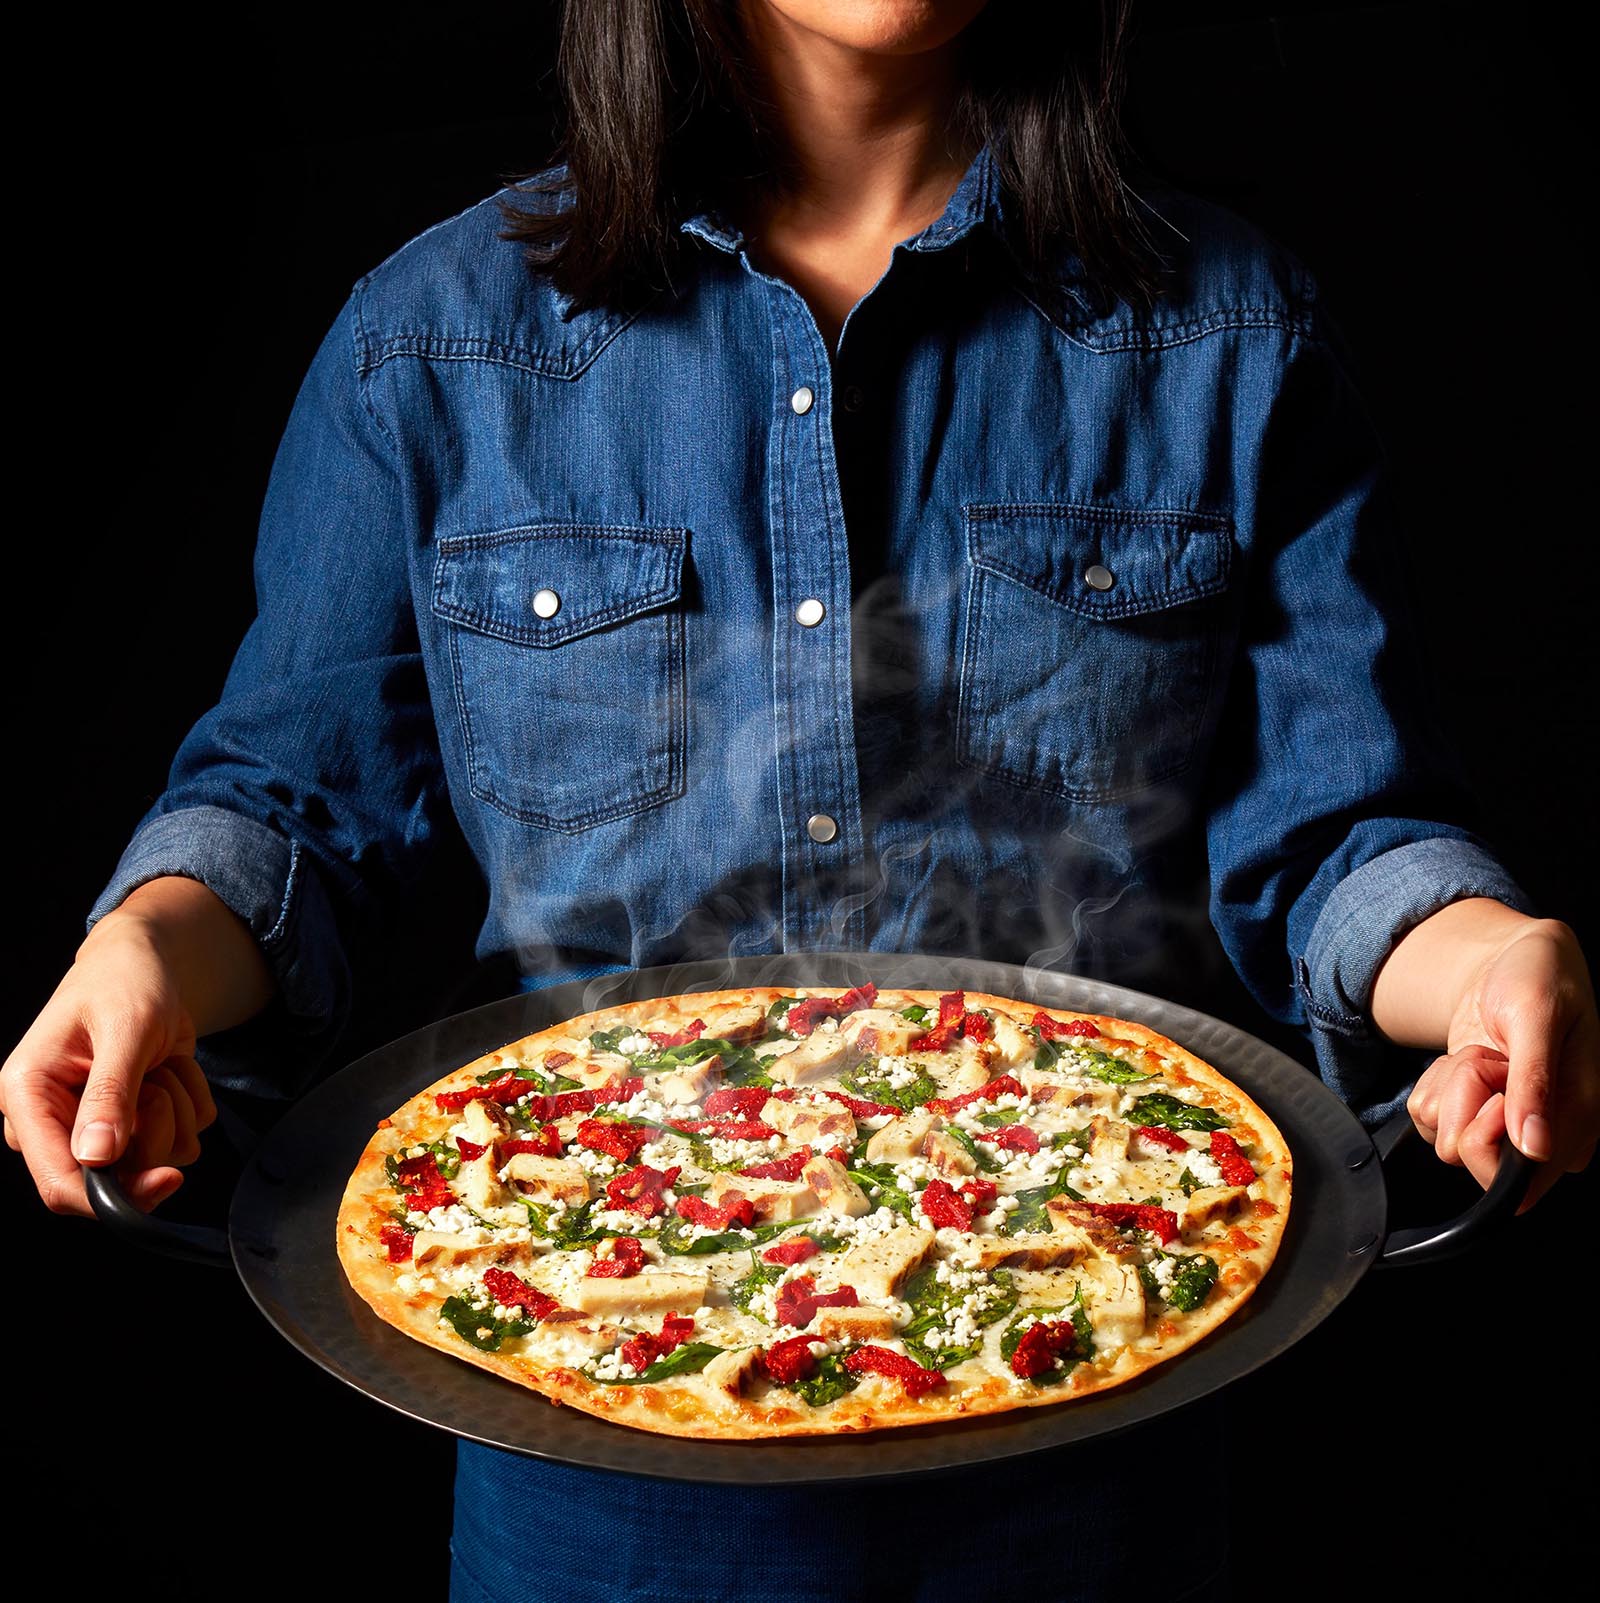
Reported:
(597, 574)
(1144, 561)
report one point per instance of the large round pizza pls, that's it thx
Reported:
(757, 1213)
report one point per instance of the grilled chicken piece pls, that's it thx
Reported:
(774, 1201)
(486, 1122)
(548, 1179)
(597, 1070)
(826, 1123)
(879, 1032)
(1108, 1138)
(854, 1324)
(1029, 1250)
(1093, 1235)
(1116, 1302)
(834, 1189)
(569, 1334)
(738, 1025)
(653, 1291)
(727, 1372)
(821, 1055)
(1012, 1046)
(479, 1186)
(900, 1138)
(879, 1268)
(439, 1248)
(692, 1083)
(1211, 1202)
(947, 1155)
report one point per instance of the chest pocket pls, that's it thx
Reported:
(566, 648)
(1090, 643)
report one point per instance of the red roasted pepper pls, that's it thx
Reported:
(798, 1300)
(1056, 1029)
(1159, 1136)
(1236, 1168)
(945, 1207)
(872, 1360)
(1162, 1222)
(789, 1361)
(744, 1101)
(682, 1037)
(425, 1186)
(1041, 1345)
(795, 1250)
(805, 1015)
(643, 1350)
(545, 1143)
(396, 1241)
(639, 1190)
(512, 1291)
(984, 1093)
(1015, 1138)
(627, 1259)
(780, 1168)
(469, 1149)
(737, 1211)
(619, 1141)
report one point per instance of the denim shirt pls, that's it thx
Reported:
(1022, 625)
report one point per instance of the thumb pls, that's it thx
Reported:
(1533, 1030)
(122, 1053)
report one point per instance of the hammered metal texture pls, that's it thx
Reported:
(282, 1228)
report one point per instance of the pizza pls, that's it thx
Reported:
(761, 1213)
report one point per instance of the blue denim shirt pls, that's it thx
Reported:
(1020, 625)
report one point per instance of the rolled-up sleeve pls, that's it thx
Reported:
(311, 798)
(1339, 818)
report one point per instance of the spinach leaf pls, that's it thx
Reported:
(779, 1010)
(905, 1097)
(933, 1304)
(1192, 1282)
(1187, 1183)
(890, 1193)
(1104, 1066)
(1031, 1213)
(447, 1153)
(1048, 1055)
(611, 1040)
(575, 1228)
(1147, 1279)
(689, 1359)
(1160, 1108)
(917, 1013)
(1073, 1138)
(999, 1117)
(829, 1381)
(675, 1238)
(468, 1321)
(743, 1292)
(964, 1140)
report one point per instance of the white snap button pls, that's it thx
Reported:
(821, 828)
(1098, 578)
(801, 399)
(546, 603)
(809, 613)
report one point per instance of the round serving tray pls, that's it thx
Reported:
(281, 1227)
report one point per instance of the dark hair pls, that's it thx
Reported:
(662, 115)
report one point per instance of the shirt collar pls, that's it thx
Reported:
(976, 200)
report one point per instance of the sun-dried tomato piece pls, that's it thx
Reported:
(619, 1141)
(639, 1190)
(469, 1149)
(727, 1129)
(871, 1360)
(425, 1186)
(1041, 1345)
(736, 1211)
(1015, 1138)
(1058, 1029)
(1162, 1222)
(1236, 1168)
(798, 1300)
(1159, 1136)
(805, 1015)
(789, 1168)
(997, 1087)
(626, 1259)
(863, 1109)
(690, 1032)
(745, 1101)
(979, 1193)
(507, 1088)
(952, 1006)
(396, 1241)
(643, 1349)
(944, 1207)
(790, 1361)
(545, 1143)
(795, 1250)
(512, 1291)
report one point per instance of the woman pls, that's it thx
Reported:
(739, 581)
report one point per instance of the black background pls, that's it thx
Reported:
(191, 211)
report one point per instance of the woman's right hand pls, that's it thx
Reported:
(107, 1074)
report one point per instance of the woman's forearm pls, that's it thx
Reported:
(220, 972)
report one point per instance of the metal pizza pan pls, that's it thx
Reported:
(280, 1235)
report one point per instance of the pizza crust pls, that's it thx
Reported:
(692, 1405)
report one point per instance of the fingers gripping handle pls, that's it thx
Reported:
(202, 1244)
(1431, 1243)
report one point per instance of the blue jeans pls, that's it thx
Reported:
(1052, 1527)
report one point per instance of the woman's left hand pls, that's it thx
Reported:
(1522, 1058)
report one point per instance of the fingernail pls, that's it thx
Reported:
(1535, 1137)
(96, 1142)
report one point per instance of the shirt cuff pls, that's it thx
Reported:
(271, 883)
(1359, 925)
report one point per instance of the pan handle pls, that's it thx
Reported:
(1432, 1243)
(203, 1244)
